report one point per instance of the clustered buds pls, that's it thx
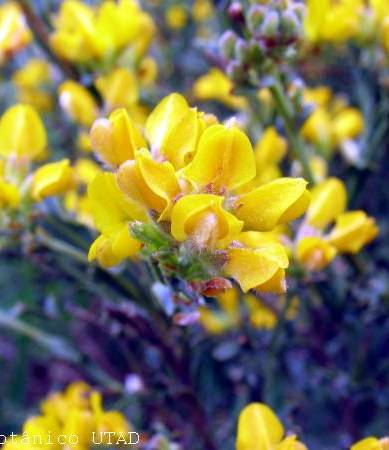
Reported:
(268, 34)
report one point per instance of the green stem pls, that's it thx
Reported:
(51, 343)
(285, 109)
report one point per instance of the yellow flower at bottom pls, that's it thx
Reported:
(352, 231)
(315, 252)
(261, 268)
(52, 179)
(371, 443)
(202, 219)
(260, 429)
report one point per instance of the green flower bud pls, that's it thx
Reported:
(227, 44)
(242, 51)
(270, 25)
(235, 71)
(255, 17)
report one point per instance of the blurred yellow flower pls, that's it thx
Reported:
(260, 429)
(176, 16)
(78, 103)
(215, 85)
(14, 32)
(22, 133)
(52, 179)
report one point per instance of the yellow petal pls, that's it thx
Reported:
(315, 18)
(22, 133)
(215, 85)
(253, 268)
(52, 179)
(369, 443)
(9, 195)
(318, 128)
(328, 200)
(258, 428)
(352, 231)
(270, 149)
(119, 89)
(116, 139)
(314, 252)
(202, 218)
(272, 204)
(348, 124)
(110, 207)
(291, 443)
(78, 103)
(224, 159)
(149, 182)
(165, 117)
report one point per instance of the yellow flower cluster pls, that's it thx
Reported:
(260, 429)
(337, 21)
(332, 124)
(317, 246)
(72, 419)
(14, 32)
(191, 175)
(89, 35)
(23, 141)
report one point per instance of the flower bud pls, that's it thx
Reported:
(270, 26)
(227, 44)
(242, 51)
(235, 11)
(234, 71)
(290, 25)
(255, 18)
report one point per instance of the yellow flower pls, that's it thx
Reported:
(315, 252)
(9, 195)
(86, 34)
(224, 160)
(353, 230)
(176, 17)
(332, 20)
(52, 179)
(78, 103)
(260, 315)
(173, 130)
(202, 219)
(215, 85)
(216, 322)
(260, 429)
(112, 212)
(22, 133)
(328, 200)
(148, 71)
(371, 443)
(14, 32)
(202, 10)
(272, 204)
(34, 73)
(319, 96)
(318, 128)
(116, 139)
(262, 268)
(348, 124)
(119, 89)
(270, 148)
(149, 182)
